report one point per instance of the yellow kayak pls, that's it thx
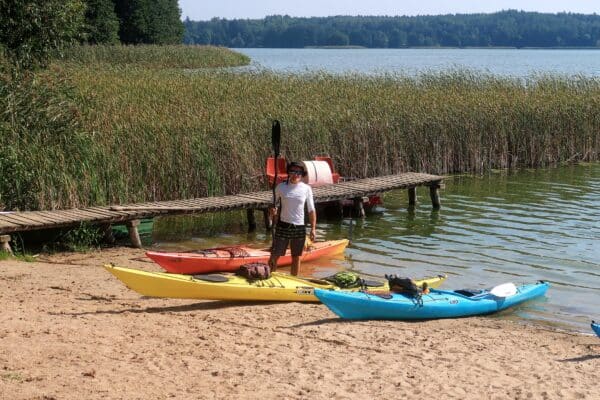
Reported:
(279, 287)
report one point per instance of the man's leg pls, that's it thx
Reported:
(273, 262)
(295, 265)
(296, 248)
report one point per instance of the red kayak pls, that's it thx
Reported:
(229, 259)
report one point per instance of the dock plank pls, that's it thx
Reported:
(32, 220)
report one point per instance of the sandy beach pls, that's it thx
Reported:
(70, 330)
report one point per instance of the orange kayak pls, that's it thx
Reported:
(229, 259)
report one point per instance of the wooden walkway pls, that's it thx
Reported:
(12, 222)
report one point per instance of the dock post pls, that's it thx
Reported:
(134, 235)
(4, 245)
(412, 196)
(434, 192)
(359, 207)
(268, 220)
(251, 220)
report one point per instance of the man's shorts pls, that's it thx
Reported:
(290, 235)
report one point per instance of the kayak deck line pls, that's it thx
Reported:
(131, 214)
(278, 287)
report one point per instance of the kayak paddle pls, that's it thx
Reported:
(275, 141)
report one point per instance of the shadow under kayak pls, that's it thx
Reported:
(435, 304)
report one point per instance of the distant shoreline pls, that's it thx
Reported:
(423, 48)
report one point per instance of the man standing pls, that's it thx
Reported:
(290, 229)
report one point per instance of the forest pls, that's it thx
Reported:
(509, 28)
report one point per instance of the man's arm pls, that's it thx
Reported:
(312, 213)
(312, 217)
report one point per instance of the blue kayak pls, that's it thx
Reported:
(435, 304)
(596, 327)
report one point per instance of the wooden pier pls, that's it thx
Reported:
(129, 215)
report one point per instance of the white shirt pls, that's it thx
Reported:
(293, 197)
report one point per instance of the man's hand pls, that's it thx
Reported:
(313, 234)
(272, 212)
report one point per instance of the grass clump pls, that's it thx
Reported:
(43, 148)
(180, 135)
(13, 376)
(154, 56)
(81, 239)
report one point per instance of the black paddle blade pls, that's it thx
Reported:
(276, 137)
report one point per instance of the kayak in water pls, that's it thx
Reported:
(432, 305)
(596, 328)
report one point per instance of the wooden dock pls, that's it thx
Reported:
(129, 215)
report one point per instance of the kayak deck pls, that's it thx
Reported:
(229, 259)
(436, 304)
(279, 287)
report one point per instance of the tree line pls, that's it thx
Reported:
(133, 22)
(509, 28)
(31, 29)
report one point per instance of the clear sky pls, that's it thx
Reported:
(198, 10)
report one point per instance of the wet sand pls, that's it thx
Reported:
(70, 330)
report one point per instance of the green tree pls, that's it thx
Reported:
(338, 38)
(149, 21)
(31, 29)
(102, 24)
(506, 28)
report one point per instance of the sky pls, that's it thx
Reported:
(198, 10)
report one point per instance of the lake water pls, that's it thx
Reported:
(521, 227)
(505, 62)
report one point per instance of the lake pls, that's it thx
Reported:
(520, 227)
(506, 62)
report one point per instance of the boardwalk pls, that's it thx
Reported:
(12, 222)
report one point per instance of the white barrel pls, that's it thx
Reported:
(318, 173)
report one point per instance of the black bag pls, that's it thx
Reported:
(403, 285)
(254, 271)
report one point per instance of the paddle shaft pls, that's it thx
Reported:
(275, 142)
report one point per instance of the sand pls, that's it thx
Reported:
(70, 330)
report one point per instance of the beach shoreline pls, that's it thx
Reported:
(70, 330)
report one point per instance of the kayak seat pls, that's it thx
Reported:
(210, 278)
(234, 251)
(469, 292)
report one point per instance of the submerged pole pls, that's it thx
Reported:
(359, 207)
(268, 220)
(412, 196)
(434, 192)
(251, 220)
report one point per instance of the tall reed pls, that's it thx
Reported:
(169, 134)
(154, 56)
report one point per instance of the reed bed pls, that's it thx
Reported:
(155, 56)
(168, 134)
